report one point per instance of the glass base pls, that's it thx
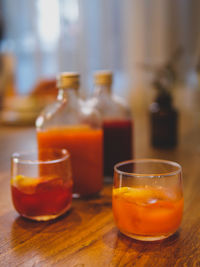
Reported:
(108, 179)
(76, 195)
(146, 237)
(47, 217)
(90, 196)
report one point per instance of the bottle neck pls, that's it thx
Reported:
(68, 95)
(164, 100)
(102, 89)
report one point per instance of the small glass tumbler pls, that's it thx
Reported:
(41, 183)
(147, 198)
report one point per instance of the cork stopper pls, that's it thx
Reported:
(103, 77)
(68, 80)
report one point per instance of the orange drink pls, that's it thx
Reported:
(85, 145)
(147, 198)
(147, 211)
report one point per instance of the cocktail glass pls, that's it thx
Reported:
(41, 183)
(147, 198)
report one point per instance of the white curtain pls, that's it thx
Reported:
(49, 36)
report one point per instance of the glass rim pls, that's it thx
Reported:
(16, 157)
(148, 160)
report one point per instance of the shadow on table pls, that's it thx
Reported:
(27, 235)
(116, 240)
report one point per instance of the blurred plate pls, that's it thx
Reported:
(21, 110)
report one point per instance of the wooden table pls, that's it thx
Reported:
(87, 235)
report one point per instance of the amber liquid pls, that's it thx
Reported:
(147, 212)
(48, 197)
(86, 149)
(117, 143)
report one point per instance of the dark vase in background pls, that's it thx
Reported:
(163, 122)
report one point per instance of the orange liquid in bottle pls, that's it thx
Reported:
(86, 147)
(147, 211)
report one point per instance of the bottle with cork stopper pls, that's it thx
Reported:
(117, 122)
(69, 124)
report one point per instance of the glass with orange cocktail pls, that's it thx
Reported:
(147, 198)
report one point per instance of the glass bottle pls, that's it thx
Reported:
(69, 124)
(117, 122)
(164, 119)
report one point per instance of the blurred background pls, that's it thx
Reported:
(134, 39)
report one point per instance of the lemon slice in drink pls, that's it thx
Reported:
(143, 195)
(135, 192)
(25, 184)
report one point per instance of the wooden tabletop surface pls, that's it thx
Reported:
(87, 235)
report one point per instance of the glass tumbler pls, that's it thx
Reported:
(147, 198)
(41, 183)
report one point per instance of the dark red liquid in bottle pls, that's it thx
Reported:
(118, 136)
